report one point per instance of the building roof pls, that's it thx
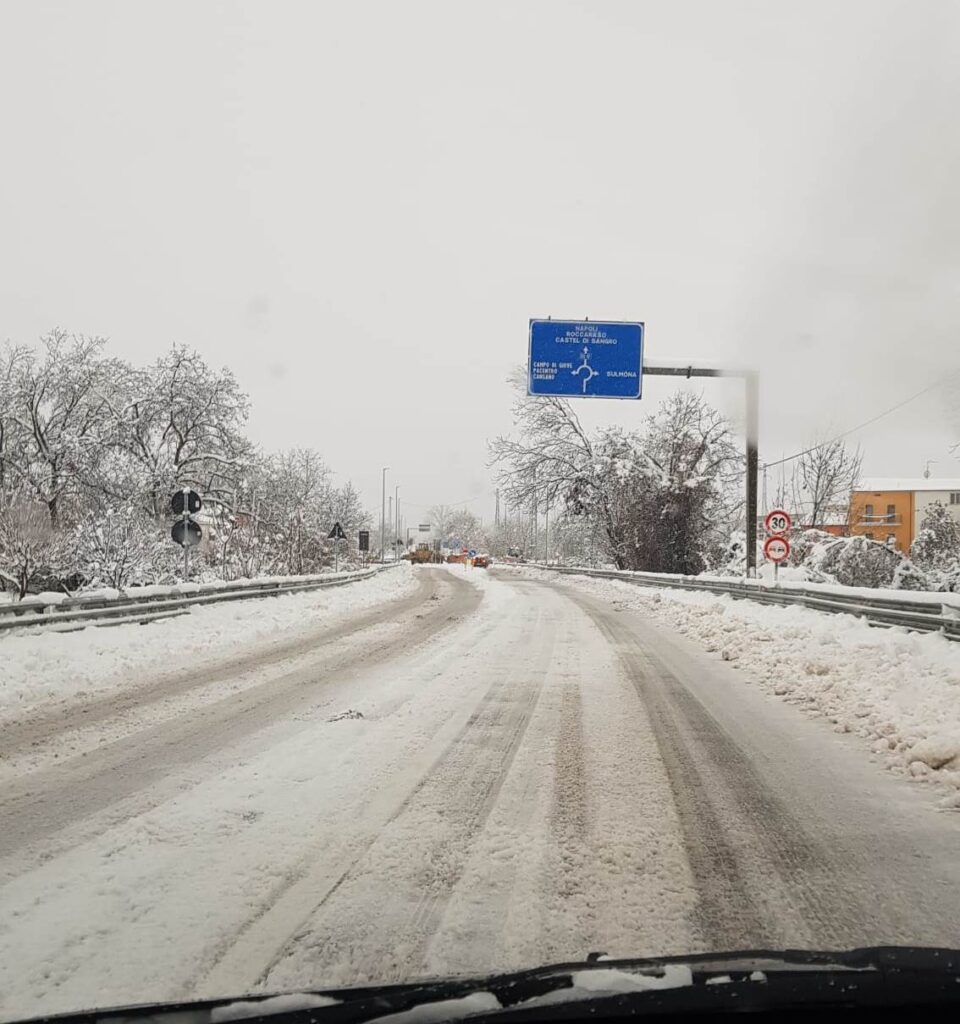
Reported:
(919, 483)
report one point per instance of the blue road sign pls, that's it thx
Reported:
(585, 359)
(473, 553)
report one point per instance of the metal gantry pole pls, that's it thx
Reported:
(752, 392)
(383, 515)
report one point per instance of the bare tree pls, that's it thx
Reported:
(822, 481)
(660, 496)
(54, 407)
(549, 459)
(180, 423)
(101, 443)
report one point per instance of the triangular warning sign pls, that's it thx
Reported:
(336, 533)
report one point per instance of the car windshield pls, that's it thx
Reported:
(479, 489)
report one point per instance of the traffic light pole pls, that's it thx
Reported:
(752, 397)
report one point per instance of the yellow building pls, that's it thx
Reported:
(892, 510)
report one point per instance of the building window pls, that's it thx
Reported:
(868, 511)
(955, 497)
(891, 513)
(869, 535)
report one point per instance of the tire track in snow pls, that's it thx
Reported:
(421, 853)
(56, 808)
(47, 724)
(264, 936)
(569, 815)
(762, 878)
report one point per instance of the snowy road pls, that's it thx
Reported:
(486, 772)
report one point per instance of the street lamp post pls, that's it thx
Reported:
(383, 516)
(396, 525)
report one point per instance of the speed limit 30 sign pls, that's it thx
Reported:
(778, 522)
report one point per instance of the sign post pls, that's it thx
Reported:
(336, 535)
(186, 532)
(363, 544)
(776, 548)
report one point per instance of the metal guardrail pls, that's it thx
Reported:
(80, 612)
(922, 614)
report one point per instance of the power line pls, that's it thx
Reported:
(867, 423)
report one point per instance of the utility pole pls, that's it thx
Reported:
(396, 515)
(383, 513)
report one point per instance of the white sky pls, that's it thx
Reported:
(358, 206)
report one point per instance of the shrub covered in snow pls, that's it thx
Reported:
(908, 577)
(857, 562)
(731, 557)
(30, 547)
(121, 547)
(937, 549)
(808, 546)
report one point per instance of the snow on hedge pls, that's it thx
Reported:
(51, 666)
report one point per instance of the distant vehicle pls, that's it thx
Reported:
(481, 561)
(422, 555)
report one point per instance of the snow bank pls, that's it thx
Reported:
(898, 691)
(166, 590)
(289, 1003)
(41, 667)
(442, 1010)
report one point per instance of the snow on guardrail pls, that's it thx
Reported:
(922, 611)
(145, 604)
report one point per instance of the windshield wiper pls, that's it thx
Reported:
(708, 983)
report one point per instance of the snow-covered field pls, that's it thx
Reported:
(899, 691)
(48, 667)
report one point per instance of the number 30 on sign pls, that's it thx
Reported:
(777, 522)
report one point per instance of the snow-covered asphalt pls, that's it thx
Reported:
(481, 771)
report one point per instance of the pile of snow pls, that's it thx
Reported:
(44, 666)
(899, 691)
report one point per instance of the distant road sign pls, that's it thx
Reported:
(471, 553)
(186, 533)
(776, 549)
(363, 539)
(777, 522)
(585, 359)
(194, 503)
(336, 533)
(423, 527)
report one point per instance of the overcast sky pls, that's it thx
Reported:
(358, 207)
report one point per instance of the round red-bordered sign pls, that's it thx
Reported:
(776, 549)
(777, 522)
